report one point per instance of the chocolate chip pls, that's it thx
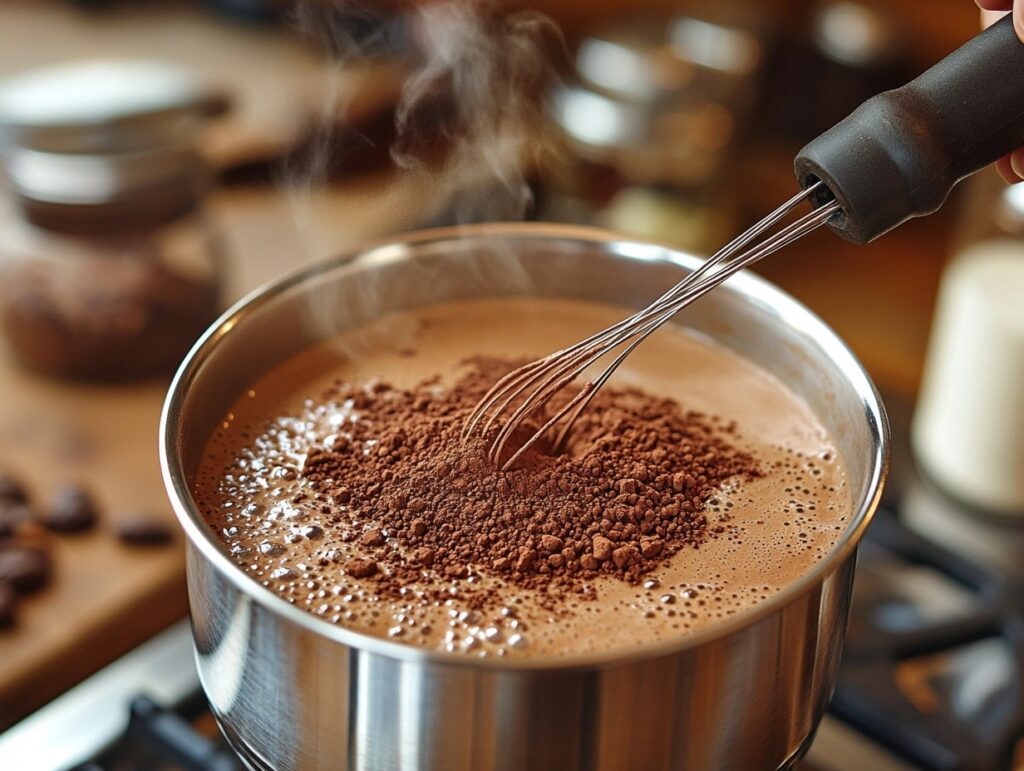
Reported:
(72, 511)
(12, 490)
(361, 568)
(25, 568)
(8, 605)
(140, 529)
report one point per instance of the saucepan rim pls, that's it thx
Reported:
(750, 286)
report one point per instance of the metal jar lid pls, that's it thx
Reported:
(659, 97)
(654, 58)
(102, 131)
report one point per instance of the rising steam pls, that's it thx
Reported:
(469, 125)
(468, 118)
(492, 68)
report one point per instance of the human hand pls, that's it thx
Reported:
(1010, 167)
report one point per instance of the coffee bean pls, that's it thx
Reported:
(8, 604)
(12, 490)
(24, 568)
(12, 517)
(141, 529)
(72, 511)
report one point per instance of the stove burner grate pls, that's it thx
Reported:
(934, 655)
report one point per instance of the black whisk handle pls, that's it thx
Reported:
(899, 154)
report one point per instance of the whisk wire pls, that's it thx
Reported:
(534, 384)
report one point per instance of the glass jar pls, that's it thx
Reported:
(110, 305)
(109, 267)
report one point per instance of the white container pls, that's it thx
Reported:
(968, 431)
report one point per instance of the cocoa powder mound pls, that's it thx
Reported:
(630, 489)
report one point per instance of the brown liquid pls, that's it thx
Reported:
(780, 524)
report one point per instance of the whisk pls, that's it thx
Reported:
(524, 391)
(896, 156)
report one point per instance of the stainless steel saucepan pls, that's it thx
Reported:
(292, 691)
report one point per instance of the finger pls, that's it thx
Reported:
(1018, 18)
(1017, 162)
(988, 18)
(1005, 168)
(995, 5)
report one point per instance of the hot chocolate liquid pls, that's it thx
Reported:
(694, 488)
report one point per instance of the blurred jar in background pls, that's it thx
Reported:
(968, 431)
(648, 120)
(109, 268)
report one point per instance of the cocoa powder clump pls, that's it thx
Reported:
(630, 489)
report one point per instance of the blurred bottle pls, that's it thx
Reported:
(968, 431)
(109, 267)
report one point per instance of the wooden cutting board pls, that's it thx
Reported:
(104, 597)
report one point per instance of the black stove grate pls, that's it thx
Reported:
(934, 676)
(164, 739)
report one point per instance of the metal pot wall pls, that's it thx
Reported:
(292, 691)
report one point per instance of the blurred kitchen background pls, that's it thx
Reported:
(162, 159)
